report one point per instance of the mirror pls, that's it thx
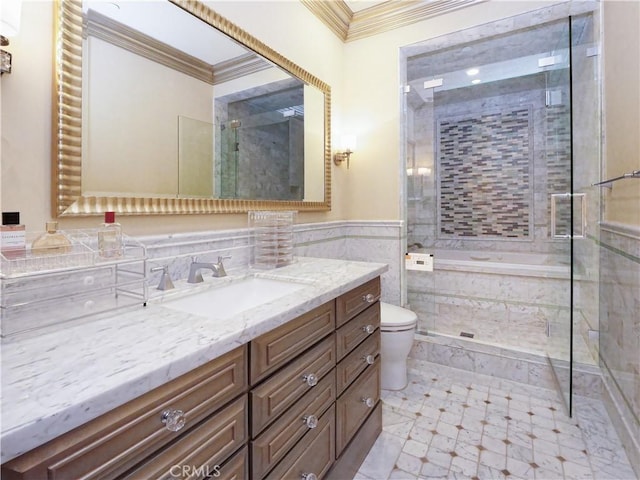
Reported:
(236, 126)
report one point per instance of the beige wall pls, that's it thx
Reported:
(364, 77)
(621, 56)
(372, 104)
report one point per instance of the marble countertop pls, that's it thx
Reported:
(56, 381)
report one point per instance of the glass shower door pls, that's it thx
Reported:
(489, 149)
(558, 120)
(571, 210)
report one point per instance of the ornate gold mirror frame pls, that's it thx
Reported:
(67, 152)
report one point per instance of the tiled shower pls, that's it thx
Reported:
(501, 122)
(490, 170)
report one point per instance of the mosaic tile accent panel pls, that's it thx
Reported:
(484, 164)
(558, 156)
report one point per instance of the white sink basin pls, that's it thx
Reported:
(229, 300)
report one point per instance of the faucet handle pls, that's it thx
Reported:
(165, 280)
(221, 271)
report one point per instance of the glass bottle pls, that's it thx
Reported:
(52, 242)
(110, 237)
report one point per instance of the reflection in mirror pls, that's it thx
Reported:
(178, 117)
(262, 142)
(195, 158)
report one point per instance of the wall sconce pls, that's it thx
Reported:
(9, 27)
(348, 143)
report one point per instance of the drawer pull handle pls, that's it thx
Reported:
(309, 476)
(369, 329)
(369, 298)
(311, 379)
(368, 401)
(311, 421)
(370, 359)
(174, 420)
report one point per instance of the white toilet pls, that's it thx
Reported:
(397, 326)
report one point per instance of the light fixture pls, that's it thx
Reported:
(472, 71)
(348, 145)
(9, 26)
(476, 81)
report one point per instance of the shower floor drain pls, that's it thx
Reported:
(466, 334)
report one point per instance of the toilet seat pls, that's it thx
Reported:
(396, 319)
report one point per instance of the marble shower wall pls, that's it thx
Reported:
(436, 217)
(620, 332)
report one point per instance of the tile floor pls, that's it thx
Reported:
(454, 424)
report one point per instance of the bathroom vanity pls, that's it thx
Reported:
(287, 389)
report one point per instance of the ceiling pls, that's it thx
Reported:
(355, 19)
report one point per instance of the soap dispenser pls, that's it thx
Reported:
(110, 237)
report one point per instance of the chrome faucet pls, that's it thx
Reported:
(194, 270)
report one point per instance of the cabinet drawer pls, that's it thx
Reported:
(236, 468)
(273, 349)
(315, 453)
(116, 441)
(353, 302)
(354, 332)
(352, 408)
(199, 452)
(279, 438)
(363, 357)
(275, 395)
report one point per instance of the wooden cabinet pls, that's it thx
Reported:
(364, 355)
(357, 300)
(300, 399)
(276, 394)
(202, 450)
(358, 407)
(314, 454)
(342, 398)
(277, 347)
(120, 439)
(274, 443)
(354, 406)
(351, 334)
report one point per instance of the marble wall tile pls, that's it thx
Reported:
(381, 241)
(620, 329)
(511, 365)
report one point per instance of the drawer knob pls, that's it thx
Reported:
(368, 401)
(174, 420)
(369, 298)
(311, 379)
(311, 421)
(309, 476)
(369, 329)
(370, 359)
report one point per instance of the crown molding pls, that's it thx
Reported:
(334, 14)
(386, 16)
